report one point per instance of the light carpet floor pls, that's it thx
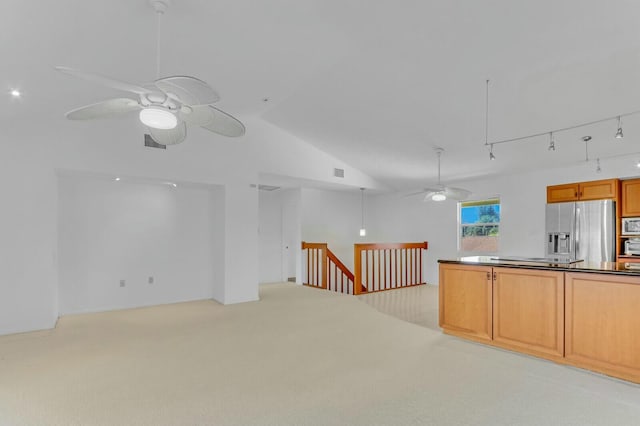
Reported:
(299, 356)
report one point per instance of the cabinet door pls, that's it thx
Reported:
(561, 193)
(598, 189)
(465, 300)
(602, 323)
(528, 310)
(631, 197)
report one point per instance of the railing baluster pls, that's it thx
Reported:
(420, 256)
(384, 268)
(366, 267)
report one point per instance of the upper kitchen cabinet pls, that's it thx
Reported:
(593, 190)
(561, 193)
(631, 197)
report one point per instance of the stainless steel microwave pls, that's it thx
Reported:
(631, 226)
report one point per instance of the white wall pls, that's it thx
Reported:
(111, 231)
(522, 197)
(217, 240)
(28, 220)
(241, 243)
(28, 227)
(334, 217)
(270, 236)
(292, 234)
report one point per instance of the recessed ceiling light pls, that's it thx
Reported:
(15, 93)
(117, 179)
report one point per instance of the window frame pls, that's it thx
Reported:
(459, 227)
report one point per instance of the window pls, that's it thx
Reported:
(479, 228)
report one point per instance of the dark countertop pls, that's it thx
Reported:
(617, 268)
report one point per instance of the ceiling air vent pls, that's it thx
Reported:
(149, 142)
(268, 187)
(338, 173)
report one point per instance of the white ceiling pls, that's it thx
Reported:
(376, 84)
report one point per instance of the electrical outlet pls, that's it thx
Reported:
(150, 280)
(122, 282)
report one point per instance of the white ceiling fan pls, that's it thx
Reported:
(165, 105)
(440, 192)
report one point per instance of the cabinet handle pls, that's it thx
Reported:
(488, 276)
(495, 276)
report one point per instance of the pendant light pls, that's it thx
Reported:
(363, 231)
(491, 156)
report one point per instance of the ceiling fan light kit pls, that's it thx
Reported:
(165, 105)
(158, 118)
(440, 192)
(438, 196)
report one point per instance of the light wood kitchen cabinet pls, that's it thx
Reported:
(602, 323)
(630, 197)
(562, 193)
(465, 300)
(583, 191)
(528, 310)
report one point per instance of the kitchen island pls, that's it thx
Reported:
(582, 314)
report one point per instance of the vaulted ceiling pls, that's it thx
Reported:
(377, 84)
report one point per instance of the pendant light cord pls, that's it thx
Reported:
(362, 206)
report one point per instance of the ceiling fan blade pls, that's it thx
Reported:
(169, 137)
(214, 120)
(109, 108)
(458, 194)
(188, 90)
(413, 194)
(105, 81)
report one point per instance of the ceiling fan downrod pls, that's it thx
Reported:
(160, 6)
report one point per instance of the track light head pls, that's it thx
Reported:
(619, 134)
(491, 156)
(598, 169)
(552, 142)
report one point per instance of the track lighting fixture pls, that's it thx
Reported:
(598, 169)
(638, 164)
(619, 134)
(552, 146)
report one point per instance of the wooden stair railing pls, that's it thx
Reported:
(325, 270)
(380, 267)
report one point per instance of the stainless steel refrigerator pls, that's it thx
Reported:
(582, 230)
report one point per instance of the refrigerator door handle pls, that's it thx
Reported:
(577, 232)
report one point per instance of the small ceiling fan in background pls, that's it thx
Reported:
(165, 105)
(440, 192)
